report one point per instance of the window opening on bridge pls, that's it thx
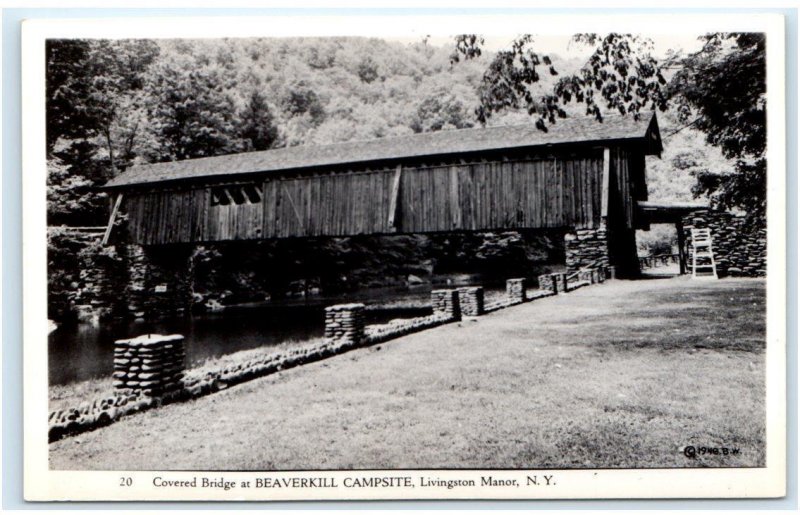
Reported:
(219, 197)
(238, 195)
(253, 193)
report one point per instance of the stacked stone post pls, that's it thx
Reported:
(602, 273)
(345, 323)
(515, 289)
(471, 301)
(560, 282)
(445, 302)
(151, 364)
(546, 282)
(554, 286)
(595, 276)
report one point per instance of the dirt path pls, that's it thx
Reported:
(621, 374)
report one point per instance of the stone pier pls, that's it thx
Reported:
(739, 249)
(586, 247)
(556, 283)
(602, 246)
(160, 281)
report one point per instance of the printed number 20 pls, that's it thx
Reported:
(125, 481)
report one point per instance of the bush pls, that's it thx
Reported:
(63, 272)
(660, 239)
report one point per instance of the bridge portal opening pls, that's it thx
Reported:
(659, 250)
(664, 239)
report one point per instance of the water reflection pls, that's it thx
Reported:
(79, 352)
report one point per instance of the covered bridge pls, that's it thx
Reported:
(582, 176)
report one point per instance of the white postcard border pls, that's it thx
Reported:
(41, 483)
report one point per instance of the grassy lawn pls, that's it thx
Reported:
(622, 374)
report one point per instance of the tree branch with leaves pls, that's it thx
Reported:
(621, 76)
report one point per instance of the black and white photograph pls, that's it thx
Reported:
(472, 261)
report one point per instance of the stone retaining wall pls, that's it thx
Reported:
(577, 283)
(101, 273)
(738, 250)
(119, 281)
(396, 328)
(84, 277)
(507, 302)
(98, 412)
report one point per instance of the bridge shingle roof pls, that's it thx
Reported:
(447, 142)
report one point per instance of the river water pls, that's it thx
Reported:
(82, 351)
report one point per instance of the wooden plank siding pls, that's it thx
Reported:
(327, 205)
(540, 191)
(629, 183)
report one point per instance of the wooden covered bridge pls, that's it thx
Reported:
(582, 176)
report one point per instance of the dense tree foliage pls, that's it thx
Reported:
(91, 87)
(191, 113)
(87, 82)
(441, 110)
(257, 123)
(721, 91)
